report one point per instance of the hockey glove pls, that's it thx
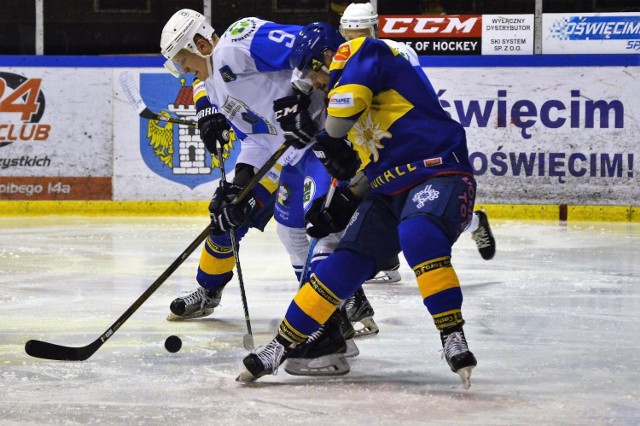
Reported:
(213, 127)
(336, 155)
(295, 120)
(225, 215)
(322, 222)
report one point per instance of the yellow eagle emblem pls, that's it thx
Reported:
(161, 139)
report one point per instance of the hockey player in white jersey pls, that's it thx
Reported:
(244, 71)
(361, 20)
(231, 85)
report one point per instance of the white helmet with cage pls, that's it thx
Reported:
(358, 17)
(178, 34)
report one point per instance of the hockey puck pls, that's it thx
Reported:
(173, 344)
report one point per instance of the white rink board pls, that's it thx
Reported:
(532, 136)
(565, 162)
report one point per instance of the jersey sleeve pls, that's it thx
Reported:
(355, 77)
(201, 101)
(271, 46)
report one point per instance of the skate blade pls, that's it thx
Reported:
(352, 349)
(385, 277)
(465, 376)
(245, 376)
(328, 365)
(198, 314)
(368, 327)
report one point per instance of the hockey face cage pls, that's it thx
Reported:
(317, 65)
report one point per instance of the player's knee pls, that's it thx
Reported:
(421, 238)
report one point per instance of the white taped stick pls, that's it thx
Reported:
(128, 83)
(130, 90)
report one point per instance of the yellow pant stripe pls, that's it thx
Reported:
(323, 290)
(312, 303)
(216, 248)
(290, 333)
(435, 275)
(447, 319)
(215, 266)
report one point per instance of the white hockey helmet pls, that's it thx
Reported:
(359, 16)
(178, 34)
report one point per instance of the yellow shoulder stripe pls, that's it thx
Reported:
(345, 51)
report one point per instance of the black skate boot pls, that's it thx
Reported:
(457, 354)
(389, 273)
(360, 314)
(484, 237)
(340, 318)
(199, 303)
(264, 360)
(323, 354)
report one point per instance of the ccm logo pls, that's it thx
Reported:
(286, 111)
(431, 26)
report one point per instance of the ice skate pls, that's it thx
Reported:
(386, 276)
(262, 361)
(323, 354)
(388, 273)
(360, 314)
(340, 318)
(484, 237)
(457, 354)
(199, 303)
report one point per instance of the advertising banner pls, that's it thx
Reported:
(434, 34)
(507, 34)
(555, 129)
(461, 34)
(591, 33)
(56, 133)
(548, 135)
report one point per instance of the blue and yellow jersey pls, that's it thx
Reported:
(402, 134)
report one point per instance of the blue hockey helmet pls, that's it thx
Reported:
(311, 43)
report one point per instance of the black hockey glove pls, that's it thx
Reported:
(322, 222)
(295, 120)
(224, 214)
(213, 127)
(336, 155)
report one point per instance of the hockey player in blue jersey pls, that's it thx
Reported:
(361, 20)
(385, 119)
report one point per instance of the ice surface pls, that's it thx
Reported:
(554, 320)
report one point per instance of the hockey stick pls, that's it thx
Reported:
(247, 339)
(314, 241)
(40, 349)
(46, 350)
(133, 94)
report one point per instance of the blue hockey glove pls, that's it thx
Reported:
(213, 127)
(336, 155)
(225, 215)
(295, 120)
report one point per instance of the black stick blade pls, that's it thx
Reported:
(46, 350)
